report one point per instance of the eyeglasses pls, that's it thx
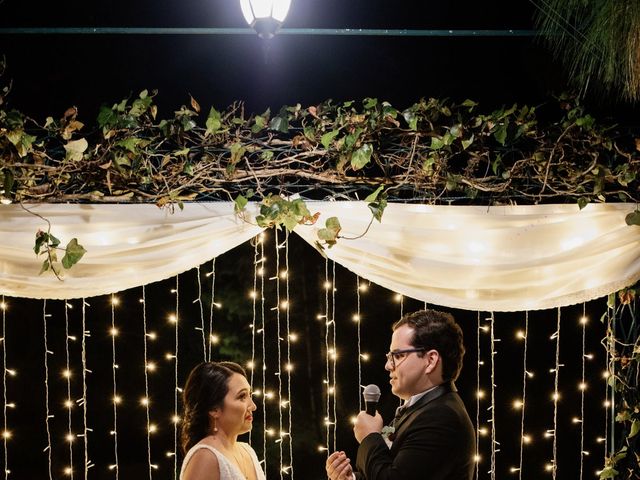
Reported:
(397, 356)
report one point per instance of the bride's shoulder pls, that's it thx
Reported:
(199, 462)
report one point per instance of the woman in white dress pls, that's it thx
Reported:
(217, 408)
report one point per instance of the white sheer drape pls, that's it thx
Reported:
(477, 258)
(127, 245)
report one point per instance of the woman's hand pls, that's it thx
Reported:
(338, 466)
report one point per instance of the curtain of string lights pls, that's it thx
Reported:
(91, 387)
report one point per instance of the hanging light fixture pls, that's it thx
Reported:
(265, 16)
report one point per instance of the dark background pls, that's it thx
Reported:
(49, 73)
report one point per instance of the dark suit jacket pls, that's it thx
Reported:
(434, 440)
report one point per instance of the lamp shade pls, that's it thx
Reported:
(265, 16)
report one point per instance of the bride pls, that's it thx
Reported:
(217, 408)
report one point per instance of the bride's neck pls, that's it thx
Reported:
(226, 441)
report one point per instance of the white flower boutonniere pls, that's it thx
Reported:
(388, 432)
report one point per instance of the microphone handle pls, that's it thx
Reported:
(370, 408)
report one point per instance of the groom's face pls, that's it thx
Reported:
(407, 377)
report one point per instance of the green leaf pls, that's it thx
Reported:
(361, 156)
(74, 252)
(266, 155)
(377, 208)
(583, 202)
(75, 149)
(608, 472)
(237, 151)
(327, 138)
(281, 122)
(184, 152)
(469, 103)
(107, 117)
(130, 143)
(635, 428)
(501, 134)
(467, 142)
(411, 118)
(41, 238)
(436, 143)
(329, 234)
(633, 218)
(370, 103)
(373, 196)
(240, 202)
(44, 267)
(214, 122)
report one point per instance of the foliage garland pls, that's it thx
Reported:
(437, 151)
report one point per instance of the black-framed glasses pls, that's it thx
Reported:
(397, 356)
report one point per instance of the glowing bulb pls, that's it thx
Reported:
(480, 393)
(582, 386)
(365, 357)
(115, 301)
(66, 373)
(363, 287)
(477, 458)
(261, 271)
(322, 449)
(293, 337)
(284, 305)
(173, 318)
(175, 419)
(113, 331)
(526, 438)
(268, 395)
(251, 365)
(144, 401)
(169, 356)
(270, 431)
(520, 334)
(514, 469)
(548, 467)
(327, 285)
(288, 367)
(68, 470)
(68, 403)
(151, 367)
(517, 404)
(153, 428)
(576, 420)
(556, 396)
(606, 404)
(397, 297)
(356, 318)
(12, 372)
(3, 305)
(606, 374)
(583, 320)
(283, 274)
(70, 437)
(253, 294)
(214, 339)
(6, 434)
(152, 335)
(483, 431)
(353, 419)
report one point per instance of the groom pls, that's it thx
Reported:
(433, 437)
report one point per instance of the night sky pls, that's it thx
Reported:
(49, 73)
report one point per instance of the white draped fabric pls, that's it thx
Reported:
(505, 258)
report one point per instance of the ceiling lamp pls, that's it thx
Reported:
(265, 16)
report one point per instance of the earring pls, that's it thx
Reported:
(215, 426)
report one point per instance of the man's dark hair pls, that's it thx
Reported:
(434, 330)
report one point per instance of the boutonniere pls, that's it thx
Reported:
(388, 432)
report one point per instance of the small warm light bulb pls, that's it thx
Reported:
(517, 404)
(365, 357)
(283, 274)
(322, 449)
(173, 318)
(353, 419)
(484, 328)
(115, 301)
(293, 337)
(530, 374)
(270, 431)
(68, 403)
(582, 386)
(284, 305)
(66, 373)
(363, 287)
(477, 458)
(68, 470)
(70, 437)
(288, 367)
(514, 469)
(556, 396)
(153, 428)
(589, 356)
(169, 356)
(151, 366)
(327, 285)
(113, 332)
(397, 297)
(144, 401)
(251, 365)
(576, 420)
(520, 334)
(548, 467)
(606, 374)
(253, 294)
(3, 305)
(356, 318)
(526, 439)
(268, 395)
(260, 271)
(214, 339)
(480, 393)
(152, 335)
(483, 431)
(606, 404)
(6, 434)
(257, 393)
(583, 320)
(175, 419)
(331, 390)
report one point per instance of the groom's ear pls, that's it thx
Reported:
(433, 358)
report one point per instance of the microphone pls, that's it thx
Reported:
(371, 396)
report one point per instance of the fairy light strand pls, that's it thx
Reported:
(46, 385)
(4, 385)
(85, 431)
(358, 319)
(213, 296)
(264, 355)
(493, 399)
(326, 346)
(175, 387)
(201, 307)
(254, 297)
(554, 466)
(478, 363)
(583, 322)
(114, 367)
(524, 390)
(278, 345)
(68, 378)
(612, 403)
(289, 370)
(335, 351)
(146, 379)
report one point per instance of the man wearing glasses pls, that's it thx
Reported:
(432, 436)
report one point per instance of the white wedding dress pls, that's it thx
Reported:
(228, 471)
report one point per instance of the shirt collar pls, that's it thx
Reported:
(414, 398)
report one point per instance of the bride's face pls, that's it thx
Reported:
(236, 416)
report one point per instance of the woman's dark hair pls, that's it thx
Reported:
(206, 387)
(438, 331)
